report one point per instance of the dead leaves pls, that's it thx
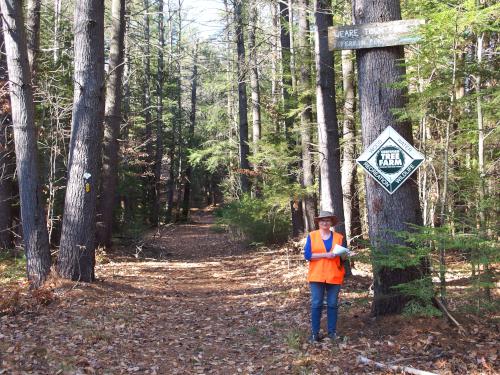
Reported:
(213, 307)
(23, 299)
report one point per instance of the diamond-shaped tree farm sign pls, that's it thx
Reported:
(390, 160)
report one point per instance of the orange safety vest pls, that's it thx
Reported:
(325, 270)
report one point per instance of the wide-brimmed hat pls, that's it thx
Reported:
(326, 215)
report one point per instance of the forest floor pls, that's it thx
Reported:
(189, 300)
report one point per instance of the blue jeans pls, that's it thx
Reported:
(332, 294)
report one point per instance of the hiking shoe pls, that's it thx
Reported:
(315, 337)
(333, 336)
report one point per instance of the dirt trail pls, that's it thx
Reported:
(206, 306)
(190, 300)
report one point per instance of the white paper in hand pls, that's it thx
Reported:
(339, 250)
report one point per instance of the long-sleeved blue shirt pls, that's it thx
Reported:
(308, 251)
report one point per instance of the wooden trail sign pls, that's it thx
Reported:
(373, 35)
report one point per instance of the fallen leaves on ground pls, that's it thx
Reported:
(198, 302)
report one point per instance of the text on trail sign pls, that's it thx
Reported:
(390, 160)
(373, 35)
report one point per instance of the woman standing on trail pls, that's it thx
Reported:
(326, 271)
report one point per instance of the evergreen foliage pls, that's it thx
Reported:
(424, 245)
(258, 221)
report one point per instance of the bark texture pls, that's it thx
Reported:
(112, 121)
(378, 70)
(242, 98)
(305, 105)
(77, 249)
(33, 32)
(35, 236)
(328, 133)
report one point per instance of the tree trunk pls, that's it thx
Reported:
(6, 171)
(254, 77)
(275, 84)
(378, 70)
(242, 98)
(180, 117)
(192, 124)
(159, 113)
(57, 21)
(176, 123)
(149, 175)
(444, 204)
(488, 276)
(77, 249)
(57, 138)
(328, 133)
(35, 235)
(293, 71)
(6, 154)
(112, 122)
(33, 32)
(480, 139)
(127, 204)
(254, 84)
(287, 90)
(305, 105)
(230, 110)
(349, 175)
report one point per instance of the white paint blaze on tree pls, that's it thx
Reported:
(35, 236)
(77, 248)
(379, 69)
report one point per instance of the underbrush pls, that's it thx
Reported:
(434, 252)
(257, 221)
(12, 268)
(15, 294)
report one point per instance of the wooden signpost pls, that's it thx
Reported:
(373, 35)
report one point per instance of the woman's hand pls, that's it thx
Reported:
(329, 255)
